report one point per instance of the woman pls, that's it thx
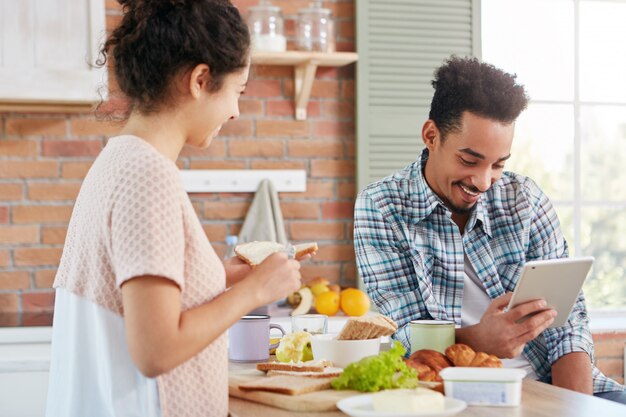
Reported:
(141, 308)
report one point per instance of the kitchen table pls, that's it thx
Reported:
(538, 400)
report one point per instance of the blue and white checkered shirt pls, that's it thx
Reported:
(409, 253)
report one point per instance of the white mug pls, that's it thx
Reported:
(249, 338)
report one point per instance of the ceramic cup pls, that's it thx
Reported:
(312, 323)
(431, 334)
(249, 338)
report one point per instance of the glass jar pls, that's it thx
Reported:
(267, 27)
(315, 29)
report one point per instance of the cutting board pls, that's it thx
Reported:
(324, 400)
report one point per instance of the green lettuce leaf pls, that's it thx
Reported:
(386, 370)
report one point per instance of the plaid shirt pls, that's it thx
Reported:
(409, 253)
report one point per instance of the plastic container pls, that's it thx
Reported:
(499, 387)
(266, 25)
(315, 29)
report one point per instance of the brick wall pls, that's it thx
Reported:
(44, 157)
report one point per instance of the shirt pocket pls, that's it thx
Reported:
(509, 274)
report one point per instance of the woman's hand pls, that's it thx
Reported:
(274, 278)
(236, 270)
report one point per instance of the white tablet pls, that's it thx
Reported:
(558, 281)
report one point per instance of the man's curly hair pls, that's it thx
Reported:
(466, 84)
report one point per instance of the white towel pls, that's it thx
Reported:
(264, 220)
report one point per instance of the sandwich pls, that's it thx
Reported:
(253, 253)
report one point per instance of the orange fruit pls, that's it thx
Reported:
(327, 303)
(354, 302)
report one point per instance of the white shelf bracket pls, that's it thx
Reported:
(304, 76)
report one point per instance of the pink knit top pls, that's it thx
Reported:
(132, 218)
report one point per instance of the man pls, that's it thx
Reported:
(447, 236)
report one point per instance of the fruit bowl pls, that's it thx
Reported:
(342, 352)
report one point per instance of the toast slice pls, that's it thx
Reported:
(308, 366)
(327, 372)
(367, 327)
(287, 384)
(253, 253)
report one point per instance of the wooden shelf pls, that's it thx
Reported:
(305, 65)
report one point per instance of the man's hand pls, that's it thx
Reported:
(499, 332)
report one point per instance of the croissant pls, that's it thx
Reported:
(435, 360)
(463, 355)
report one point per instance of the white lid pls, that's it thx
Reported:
(466, 373)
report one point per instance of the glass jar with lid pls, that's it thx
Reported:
(315, 29)
(266, 25)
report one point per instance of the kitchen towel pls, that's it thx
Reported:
(264, 220)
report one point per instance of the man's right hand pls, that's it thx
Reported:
(499, 332)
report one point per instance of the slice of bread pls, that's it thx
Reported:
(367, 327)
(308, 366)
(287, 384)
(253, 253)
(327, 372)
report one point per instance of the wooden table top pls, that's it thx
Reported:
(538, 400)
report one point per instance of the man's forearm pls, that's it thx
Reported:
(573, 371)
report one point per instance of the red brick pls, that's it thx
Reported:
(263, 88)
(4, 215)
(338, 210)
(38, 301)
(325, 89)
(611, 335)
(277, 108)
(611, 367)
(338, 109)
(264, 164)
(346, 30)
(41, 214)
(112, 6)
(53, 235)
(112, 22)
(217, 149)
(14, 280)
(317, 231)
(11, 192)
(28, 169)
(87, 127)
(311, 270)
(315, 148)
(350, 275)
(215, 232)
(53, 191)
(250, 107)
(5, 259)
(21, 148)
(345, 45)
(335, 253)
(38, 127)
(346, 190)
(347, 89)
(261, 72)
(222, 210)
(71, 147)
(199, 164)
(37, 256)
(314, 189)
(350, 148)
(291, 7)
(335, 128)
(44, 278)
(19, 234)
(237, 127)
(300, 210)
(327, 73)
(332, 168)
(269, 148)
(76, 170)
(282, 128)
(9, 303)
(342, 10)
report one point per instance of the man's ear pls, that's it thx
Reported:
(199, 78)
(430, 134)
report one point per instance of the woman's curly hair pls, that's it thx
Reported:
(466, 84)
(157, 39)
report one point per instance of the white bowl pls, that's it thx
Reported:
(342, 352)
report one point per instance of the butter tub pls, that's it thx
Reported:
(498, 387)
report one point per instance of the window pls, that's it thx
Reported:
(571, 56)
